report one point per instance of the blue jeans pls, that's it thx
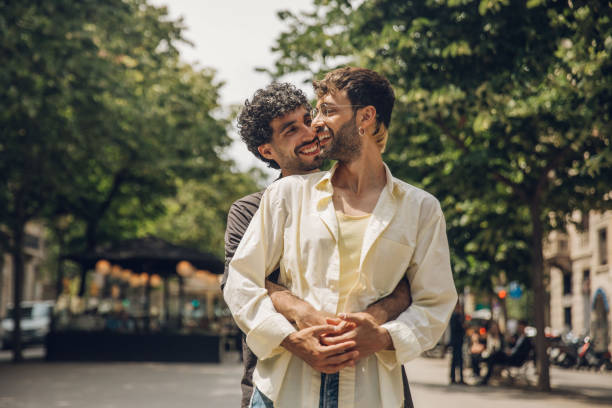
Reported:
(259, 400)
(328, 395)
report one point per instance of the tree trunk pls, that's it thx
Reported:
(504, 308)
(18, 272)
(166, 303)
(539, 299)
(91, 241)
(59, 281)
(2, 302)
(147, 306)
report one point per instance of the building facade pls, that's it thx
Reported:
(581, 278)
(33, 281)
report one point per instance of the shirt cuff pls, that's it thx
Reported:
(387, 358)
(406, 345)
(265, 339)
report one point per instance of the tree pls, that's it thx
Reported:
(503, 110)
(196, 215)
(99, 120)
(40, 67)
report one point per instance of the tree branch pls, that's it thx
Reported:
(496, 175)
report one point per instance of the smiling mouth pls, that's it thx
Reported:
(324, 136)
(310, 149)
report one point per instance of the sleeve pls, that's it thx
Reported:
(238, 219)
(257, 256)
(419, 327)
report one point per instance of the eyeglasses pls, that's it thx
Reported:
(325, 110)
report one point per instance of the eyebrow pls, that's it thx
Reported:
(285, 126)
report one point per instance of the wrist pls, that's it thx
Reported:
(386, 340)
(283, 302)
(378, 313)
(288, 342)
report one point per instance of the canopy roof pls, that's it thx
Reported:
(149, 254)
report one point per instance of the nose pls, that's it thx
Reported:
(309, 131)
(317, 120)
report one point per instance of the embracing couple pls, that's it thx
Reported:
(336, 278)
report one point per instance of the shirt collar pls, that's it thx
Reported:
(326, 188)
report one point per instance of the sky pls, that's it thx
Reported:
(234, 37)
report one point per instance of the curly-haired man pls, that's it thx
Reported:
(276, 127)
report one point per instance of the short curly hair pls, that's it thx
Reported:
(267, 104)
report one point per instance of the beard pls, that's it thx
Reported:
(346, 143)
(298, 164)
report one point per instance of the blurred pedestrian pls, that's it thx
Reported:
(477, 346)
(457, 333)
(516, 357)
(494, 342)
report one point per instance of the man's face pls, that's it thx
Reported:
(294, 145)
(336, 124)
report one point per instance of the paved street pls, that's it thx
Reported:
(576, 389)
(37, 384)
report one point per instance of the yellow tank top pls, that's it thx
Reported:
(351, 230)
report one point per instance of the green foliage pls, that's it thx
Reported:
(196, 216)
(500, 106)
(100, 119)
(100, 123)
(503, 112)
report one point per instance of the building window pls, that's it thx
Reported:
(603, 246)
(586, 282)
(584, 222)
(567, 312)
(583, 228)
(567, 283)
(31, 241)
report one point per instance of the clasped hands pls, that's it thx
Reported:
(330, 343)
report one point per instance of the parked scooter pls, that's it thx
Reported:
(605, 361)
(586, 356)
(564, 352)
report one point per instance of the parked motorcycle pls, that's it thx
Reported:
(586, 356)
(564, 351)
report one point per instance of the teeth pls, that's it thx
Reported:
(310, 150)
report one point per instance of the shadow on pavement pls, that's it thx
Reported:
(593, 395)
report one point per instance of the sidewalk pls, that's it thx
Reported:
(39, 384)
(429, 380)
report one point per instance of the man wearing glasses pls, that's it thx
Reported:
(343, 239)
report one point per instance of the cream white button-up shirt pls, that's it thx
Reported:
(296, 229)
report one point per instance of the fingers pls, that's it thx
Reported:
(342, 358)
(337, 362)
(334, 320)
(323, 329)
(344, 337)
(341, 325)
(333, 349)
(352, 317)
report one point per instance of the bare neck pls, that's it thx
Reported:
(362, 175)
(358, 184)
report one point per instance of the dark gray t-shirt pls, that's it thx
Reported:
(238, 219)
(240, 214)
